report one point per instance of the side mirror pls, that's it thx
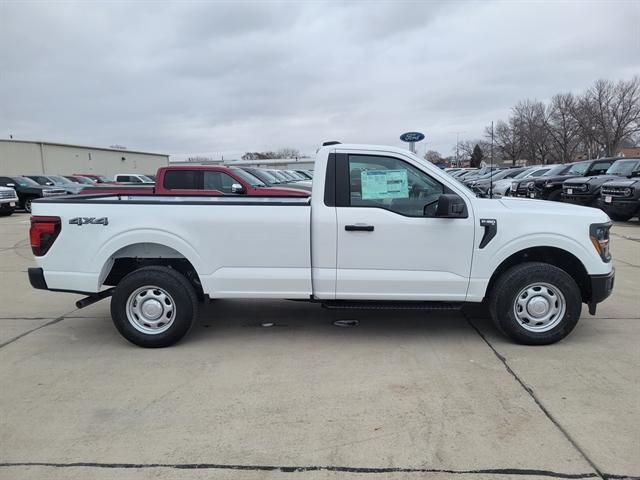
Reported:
(237, 188)
(635, 174)
(451, 205)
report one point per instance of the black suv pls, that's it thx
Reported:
(620, 199)
(585, 190)
(550, 187)
(29, 190)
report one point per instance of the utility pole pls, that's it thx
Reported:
(457, 143)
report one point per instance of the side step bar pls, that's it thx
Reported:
(391, 305)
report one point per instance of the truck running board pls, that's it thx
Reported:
(391, 305)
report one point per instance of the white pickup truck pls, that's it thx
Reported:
(383, 229)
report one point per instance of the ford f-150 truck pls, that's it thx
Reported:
(383, 229)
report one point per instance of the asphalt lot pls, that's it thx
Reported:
(402, 395)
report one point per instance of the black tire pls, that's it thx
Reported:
(555, 196)
(26, 204)
(183, 304)
(620, 218)
(507, 290)
(6, 213)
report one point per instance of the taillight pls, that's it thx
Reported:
(43, 232)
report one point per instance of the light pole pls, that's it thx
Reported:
(457, 143)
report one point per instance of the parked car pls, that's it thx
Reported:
(57, 181)
(307, 174)
(520, 183)
(271, 180)
(8, 201)
(482, 185)
(353, 244)
(132, 178)
(95, 177)
(204, 180)
(586, 190)
(620, 199)
(79, 179)
(550, 187)
(29, 190)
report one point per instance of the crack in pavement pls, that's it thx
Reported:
(316, 468)
(538, 402)
(24, 334)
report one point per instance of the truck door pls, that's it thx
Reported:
(390, 245)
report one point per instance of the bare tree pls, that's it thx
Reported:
(287, 152)
(610, 112)
(433, 156)
(563, 127)
(531, 119)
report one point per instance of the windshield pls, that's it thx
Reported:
(104, 179)
(296, 175)
(144, 178)
(25, 182)
(59, 179)
(623, 168)
(558, 170)
(526, 172)
(83, 180)
(263, 175)
(249, 178)
(280, 176)
(578, 168)
(41, 179)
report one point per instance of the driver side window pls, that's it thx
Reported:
(392, 184)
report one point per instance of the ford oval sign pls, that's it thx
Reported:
(412, 137)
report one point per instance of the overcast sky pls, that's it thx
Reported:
(227, 77)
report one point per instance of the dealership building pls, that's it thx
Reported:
(22, 157)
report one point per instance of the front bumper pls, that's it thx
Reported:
(619, 206)
(601, 287)
(585, 200)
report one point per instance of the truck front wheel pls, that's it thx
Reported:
(535, 303)
(154, 306)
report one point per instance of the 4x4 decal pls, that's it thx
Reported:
(89, 221)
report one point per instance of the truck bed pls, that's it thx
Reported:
(263, 250)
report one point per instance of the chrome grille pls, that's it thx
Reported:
(7, 194)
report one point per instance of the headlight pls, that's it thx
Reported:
(530, 184)
(628, 192)
(584, 187)
(599, 234)
(548, 184)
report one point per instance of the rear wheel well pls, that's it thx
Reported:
(553, 256)
(134, 257)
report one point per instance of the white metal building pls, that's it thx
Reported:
(20, 157)
(276, 163)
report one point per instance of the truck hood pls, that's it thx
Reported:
(624, 182)
(596, 180)
(545, 209)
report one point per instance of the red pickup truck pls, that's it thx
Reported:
(201, 180)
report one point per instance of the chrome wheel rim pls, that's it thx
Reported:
(539, 307)
(151, 310)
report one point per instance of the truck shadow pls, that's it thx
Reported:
(281, 317)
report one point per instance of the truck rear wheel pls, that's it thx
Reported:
(535, 303)
(154, 306)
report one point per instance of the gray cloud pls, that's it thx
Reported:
(227, 77)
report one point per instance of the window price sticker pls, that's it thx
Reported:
(381, 184)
